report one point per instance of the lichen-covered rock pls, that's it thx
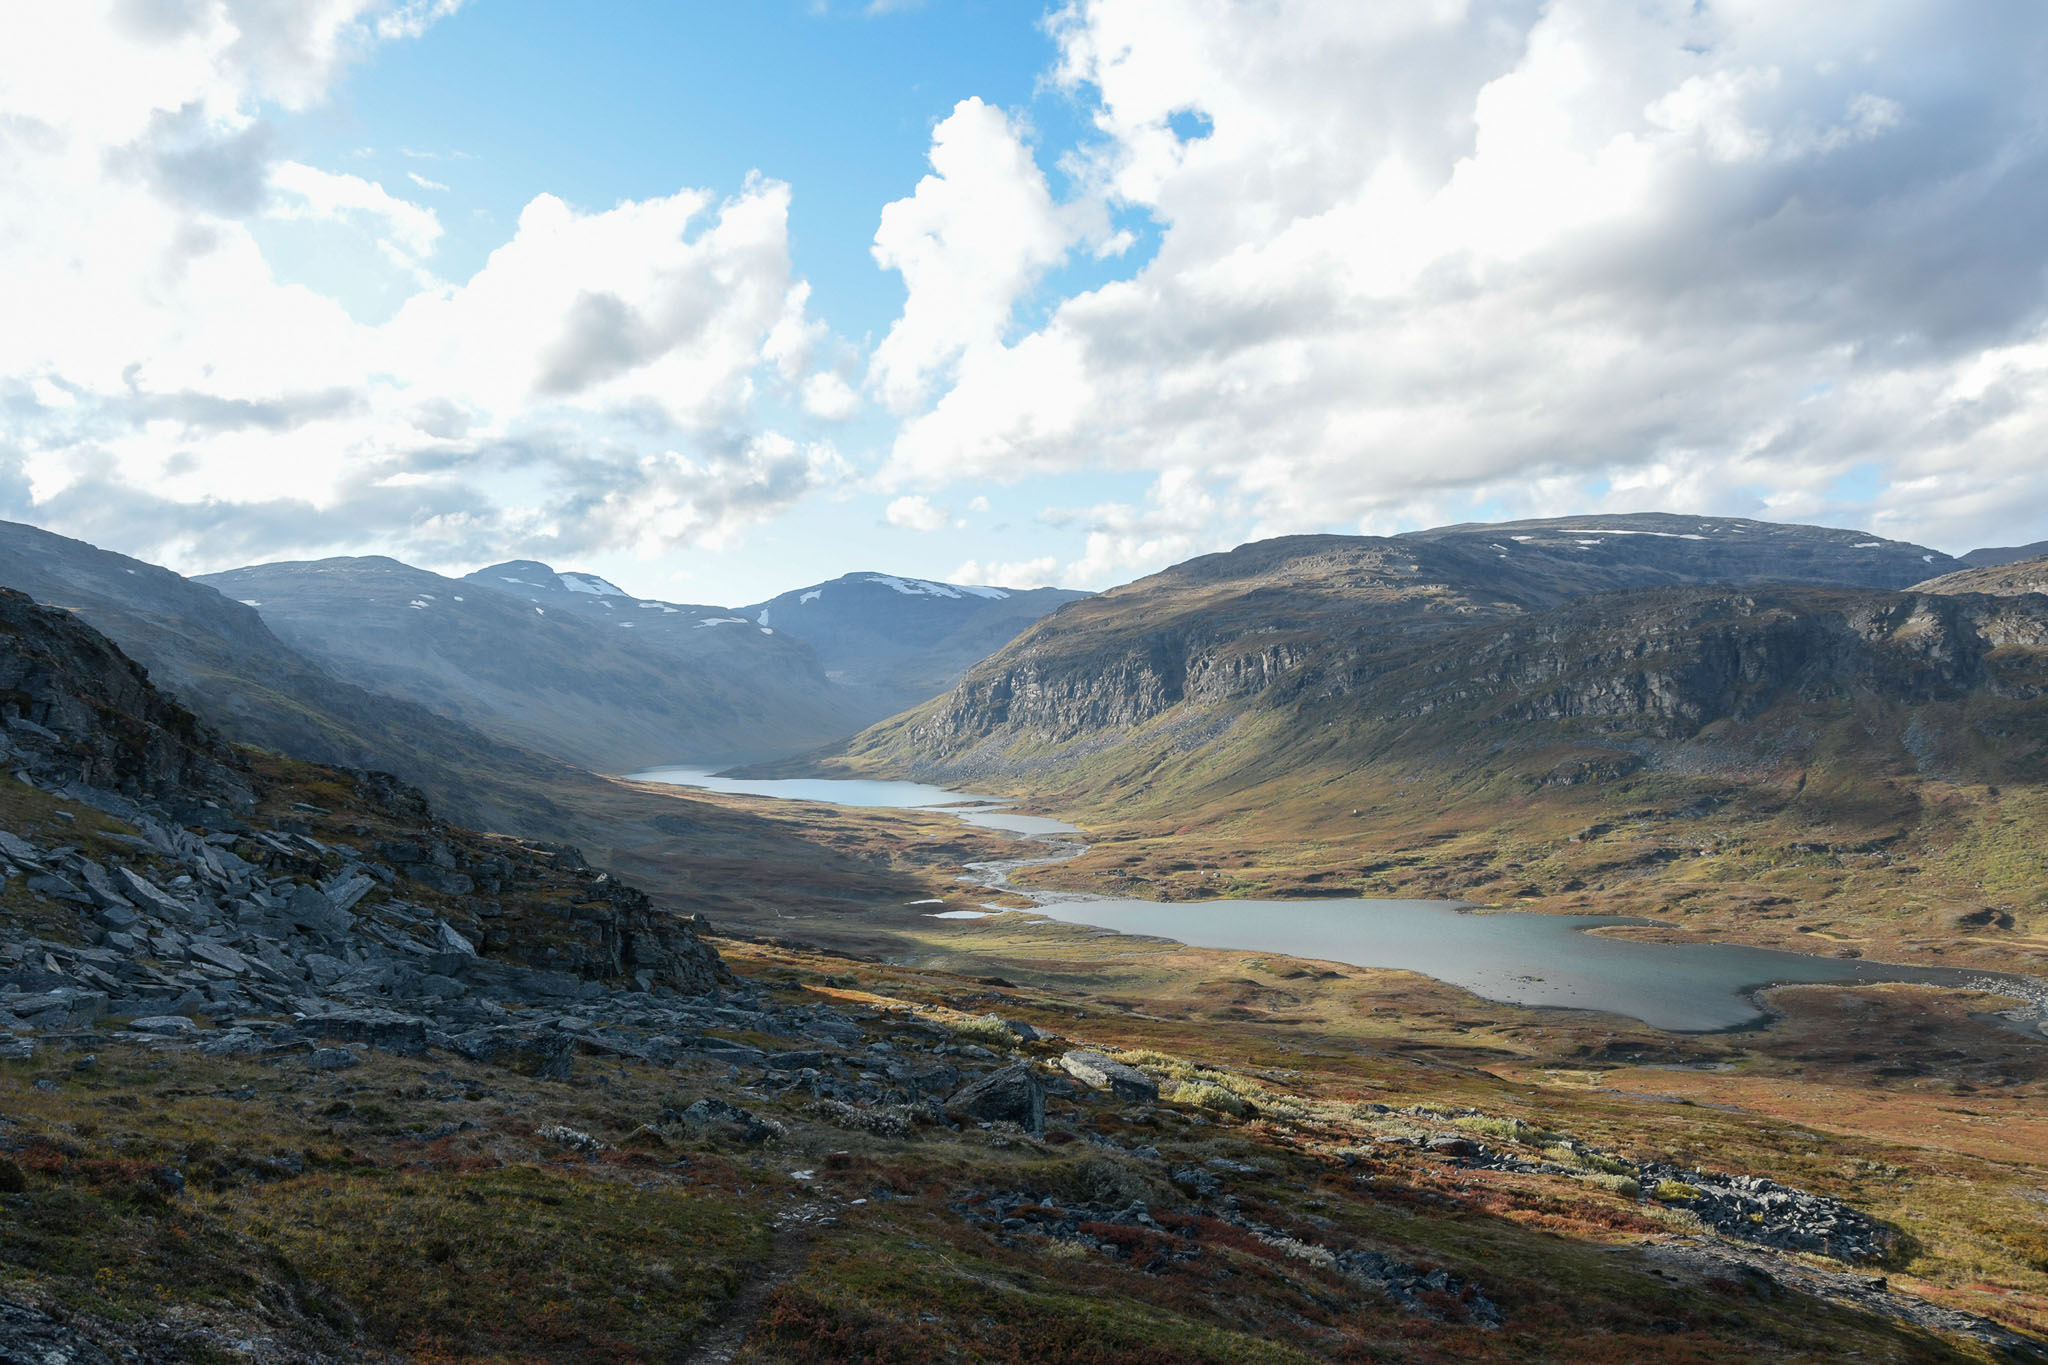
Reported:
(1011, 1095)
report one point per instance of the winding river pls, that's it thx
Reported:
(1517, 958)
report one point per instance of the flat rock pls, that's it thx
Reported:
(1100, 1072)
(164, 1025)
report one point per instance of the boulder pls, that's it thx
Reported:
(1011, 1095)
(1099, 1072)
(718, 1115)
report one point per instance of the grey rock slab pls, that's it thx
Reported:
(147, 894)
(310, 909)
(19, 851)
(1100, 1072)
(220, 955)
(343, 890)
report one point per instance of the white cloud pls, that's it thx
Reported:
(973, 238)
(1021, 573)
(425, 183)
(407, 228)
(599, 381)
(827, 396)
(1431, 258)
(915, 513)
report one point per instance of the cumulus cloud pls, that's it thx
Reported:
(975, 235)
(1421, 259)
(599, 382)
(915, 513)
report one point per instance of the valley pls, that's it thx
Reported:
(727, 1075)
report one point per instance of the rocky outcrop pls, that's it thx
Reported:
(213, 908)
(78, 710)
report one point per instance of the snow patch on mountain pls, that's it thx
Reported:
(590, 583)
(813, 595)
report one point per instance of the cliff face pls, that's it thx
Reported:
(78, 710)
(1671, 663)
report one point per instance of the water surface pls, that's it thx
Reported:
(988, 812)
(1521, 959)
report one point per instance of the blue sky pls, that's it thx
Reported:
(512, 98)
(718, 300)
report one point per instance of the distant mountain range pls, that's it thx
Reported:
(571, 665)
(897, 641)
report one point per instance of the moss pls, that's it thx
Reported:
(495, 1260)
(1674, 1192)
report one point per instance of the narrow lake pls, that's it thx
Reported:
(1522, 959)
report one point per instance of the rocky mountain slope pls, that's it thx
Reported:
(166, 875)
(2005, 579)
(611, 690)
(897, 641)
(1320, 616)
(217, 657)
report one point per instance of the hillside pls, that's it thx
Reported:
(609, 694)
(1414, 717)
(217, 657)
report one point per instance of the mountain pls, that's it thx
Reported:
(2003, 578)
(1446, 714)
(218, 657)
(897, 641)
(724, 639)
(1367, 627)
(613, 689)
(1986, 558)
(1317, 613)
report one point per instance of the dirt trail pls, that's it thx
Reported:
(790, 1242)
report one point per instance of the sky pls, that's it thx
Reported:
(719, 300)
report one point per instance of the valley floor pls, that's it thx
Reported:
(1308, 1163)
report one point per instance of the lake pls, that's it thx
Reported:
(1521, 959)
